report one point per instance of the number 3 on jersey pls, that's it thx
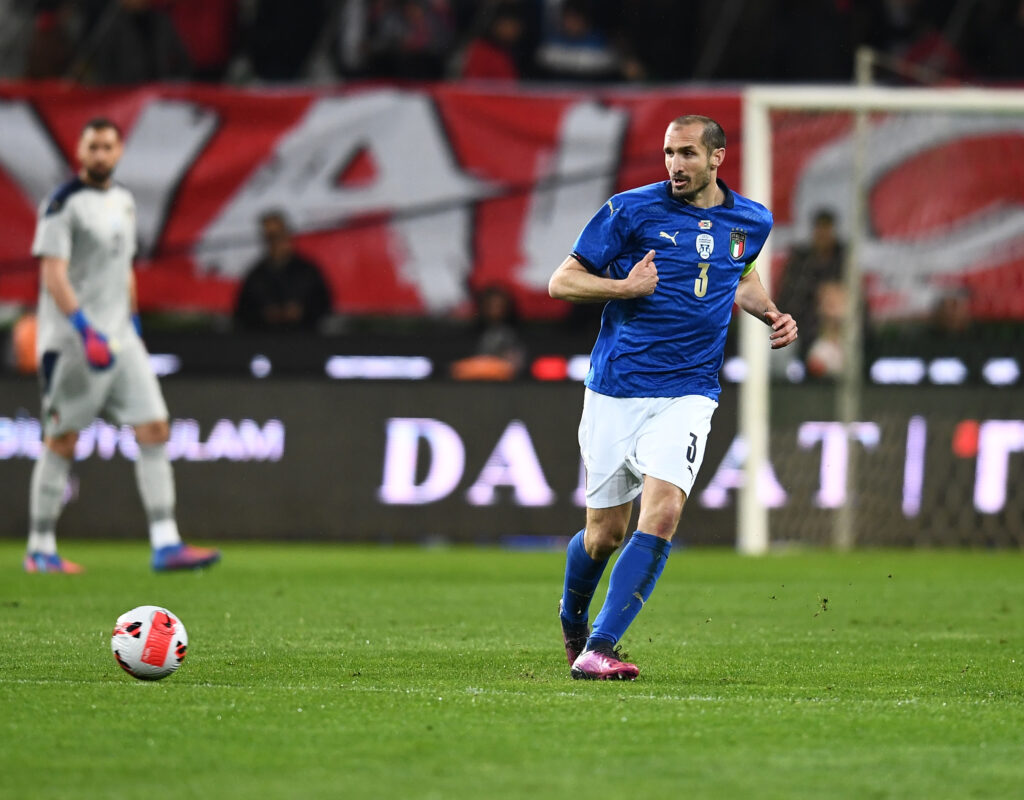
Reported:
(700, 286)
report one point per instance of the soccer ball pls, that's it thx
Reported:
(149, 642)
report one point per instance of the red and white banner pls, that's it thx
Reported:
(409, 198)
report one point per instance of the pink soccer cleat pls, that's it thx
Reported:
(601, 663)
(184, 556)
(574, 636)
(51, 562)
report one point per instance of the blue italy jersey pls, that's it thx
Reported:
(671, 343)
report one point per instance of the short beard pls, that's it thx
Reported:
(99, 175)
(690, 195)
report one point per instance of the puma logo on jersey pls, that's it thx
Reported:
(671, 238)
(611, 209)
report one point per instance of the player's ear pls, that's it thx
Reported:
(717, 157)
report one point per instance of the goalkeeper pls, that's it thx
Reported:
(90, 356)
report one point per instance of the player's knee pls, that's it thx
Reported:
(601, 542)
(156, 432)
(63, 445)
(660, 509)
(662, 527)
(662, 519)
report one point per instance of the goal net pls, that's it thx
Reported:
(899, 418)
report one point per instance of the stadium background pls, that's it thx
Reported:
(411, 195)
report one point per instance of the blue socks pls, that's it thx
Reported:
(582, 574)
(632, 580)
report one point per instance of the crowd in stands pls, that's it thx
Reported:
(118, 42)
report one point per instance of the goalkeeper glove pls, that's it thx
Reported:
(97, 348)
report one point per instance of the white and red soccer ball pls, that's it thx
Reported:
(149, 642)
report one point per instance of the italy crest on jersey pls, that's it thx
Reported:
(737, 243)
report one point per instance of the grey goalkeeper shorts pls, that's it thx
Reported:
(74, 394)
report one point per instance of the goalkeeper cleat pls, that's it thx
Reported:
(51, 562)
(184, 556)
(602, 663)
(574, 635)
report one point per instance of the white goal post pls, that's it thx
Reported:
(753, 534)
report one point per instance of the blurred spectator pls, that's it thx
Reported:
(500, 354)
(408, 39)
(949, 331)
(133, 41)
(809, 266)
(279, 35)
(501, 51)
(574, 47)
(951, 316)
(826, 355)
(583, 40)
(498, 321)
(207, 28)
(282, 291)
(51, 48)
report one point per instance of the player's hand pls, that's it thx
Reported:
(97, 348)
(783, 329)
(643, 278)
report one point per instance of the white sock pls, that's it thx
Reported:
(155, 480)
(163, 533)
(46, 497)
(45, 543)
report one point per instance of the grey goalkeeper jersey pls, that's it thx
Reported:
(94, 230)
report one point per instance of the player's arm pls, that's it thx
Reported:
(54, 273)
(133, 302)
(575, 283)
(55, 278)
(752, 298)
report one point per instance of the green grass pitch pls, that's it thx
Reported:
(365, 672)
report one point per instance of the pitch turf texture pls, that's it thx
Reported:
(406, 672)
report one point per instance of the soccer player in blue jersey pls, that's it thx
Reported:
(669, 260)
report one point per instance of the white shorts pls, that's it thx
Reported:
(622, 439)
(73, 394)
